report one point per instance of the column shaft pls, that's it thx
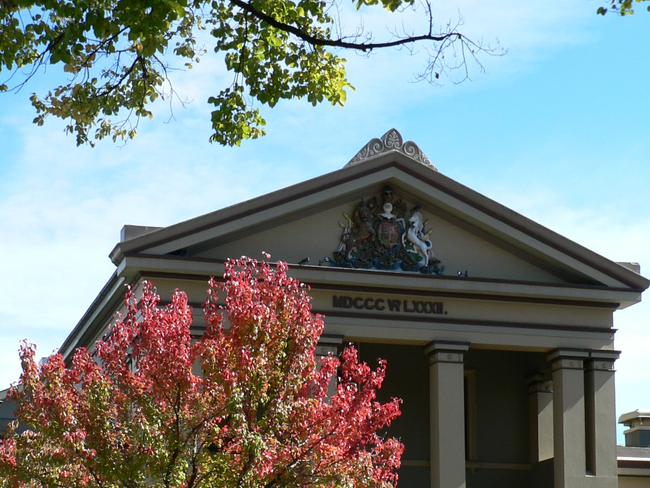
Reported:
(569, 418)
(447, 414)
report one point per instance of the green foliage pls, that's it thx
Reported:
(116, 56)
(622, 7)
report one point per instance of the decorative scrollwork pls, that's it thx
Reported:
(391, 141)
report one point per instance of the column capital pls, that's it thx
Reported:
(335, 339)
(567, 358)
(538, 383)
(446, 351)
(329, 345)
(602, 360)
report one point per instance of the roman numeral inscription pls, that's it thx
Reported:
(381, 304)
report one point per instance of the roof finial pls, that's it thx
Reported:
(390, 141)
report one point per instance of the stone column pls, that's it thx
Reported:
(447, 414)
(601, 418)
(569, 417)
(540, 400)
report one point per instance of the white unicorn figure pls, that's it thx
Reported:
(419, 237)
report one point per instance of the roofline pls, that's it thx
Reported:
(637, 414)
(411, 167)
(256, 204)
(72, 341)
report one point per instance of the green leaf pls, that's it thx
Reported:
(124, 51)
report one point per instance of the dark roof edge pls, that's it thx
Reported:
(247, 207)
(548, 236)
(73, 336)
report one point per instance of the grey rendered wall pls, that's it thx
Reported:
(634, 482)
(502, 422)
(502, 403)
(7, 414)
(502, 418)
(407, 378)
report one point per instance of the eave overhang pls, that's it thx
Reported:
(134, 266)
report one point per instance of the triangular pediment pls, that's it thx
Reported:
(348, 234)
(472, 236)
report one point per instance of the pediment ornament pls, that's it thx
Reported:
(383, 232)
(391, 141)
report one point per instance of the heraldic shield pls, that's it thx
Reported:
(389, 233)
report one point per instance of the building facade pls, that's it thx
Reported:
(498, 332)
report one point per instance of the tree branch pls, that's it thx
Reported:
(359, 46)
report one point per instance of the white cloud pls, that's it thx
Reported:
(63, 209)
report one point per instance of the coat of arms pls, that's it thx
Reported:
(382, 233)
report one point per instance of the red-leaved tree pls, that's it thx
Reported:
(244, 405)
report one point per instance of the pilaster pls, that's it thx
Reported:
(540, 401)
(601, 421)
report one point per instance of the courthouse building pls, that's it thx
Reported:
(498, 332)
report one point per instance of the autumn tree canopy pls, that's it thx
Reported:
(244, 405)
(117, 56)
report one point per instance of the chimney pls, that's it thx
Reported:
(132, 231)
(638, 428)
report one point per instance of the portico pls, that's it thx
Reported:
(502, 412)
(492, 437)
(498, 332)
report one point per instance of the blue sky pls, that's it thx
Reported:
(556, 129)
